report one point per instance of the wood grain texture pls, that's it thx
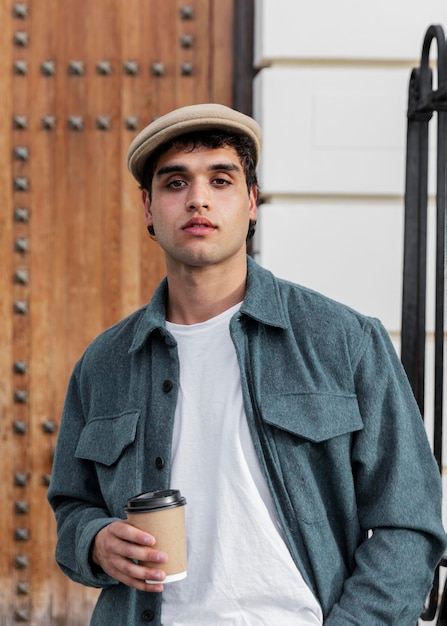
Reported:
(90, 261)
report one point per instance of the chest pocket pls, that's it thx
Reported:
(111, 443)
(311, 416)
(309, 439)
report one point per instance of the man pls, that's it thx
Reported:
(284, 418)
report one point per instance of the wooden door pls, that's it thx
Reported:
(78, 79)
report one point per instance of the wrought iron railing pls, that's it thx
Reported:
(423, 102)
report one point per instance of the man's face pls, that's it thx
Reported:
(200, 206)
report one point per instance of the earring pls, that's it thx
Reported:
(151, 231)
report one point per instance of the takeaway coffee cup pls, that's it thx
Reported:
(162, 514)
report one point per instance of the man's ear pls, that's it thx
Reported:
(253, 199)
(147, 206)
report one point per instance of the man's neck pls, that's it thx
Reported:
(200, 293)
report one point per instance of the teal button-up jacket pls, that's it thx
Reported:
(335, 426)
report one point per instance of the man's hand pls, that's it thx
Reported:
(116, 548)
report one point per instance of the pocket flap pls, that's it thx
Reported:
(313, 416)
(103, 439)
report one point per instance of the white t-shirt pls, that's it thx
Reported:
(240, 571)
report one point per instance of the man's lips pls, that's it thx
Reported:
(198, 225)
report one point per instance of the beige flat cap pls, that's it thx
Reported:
(185, 120)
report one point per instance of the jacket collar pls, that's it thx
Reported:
(262, 302)
(262, 299)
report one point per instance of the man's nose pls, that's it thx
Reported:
(198, 196)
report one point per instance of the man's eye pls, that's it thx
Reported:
(221, 181)
(176, 184)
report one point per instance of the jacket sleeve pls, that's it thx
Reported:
(75, 497)
(398, 492)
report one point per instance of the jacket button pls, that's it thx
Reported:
(159, 462)
(147, 615)
(167, 385)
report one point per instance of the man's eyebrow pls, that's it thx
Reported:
(168, 169)
(226, 167)
(214, 167)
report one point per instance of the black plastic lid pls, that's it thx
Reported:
(155, 500)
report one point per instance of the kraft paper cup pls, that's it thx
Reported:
(162, 514)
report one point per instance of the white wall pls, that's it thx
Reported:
(331, 96)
